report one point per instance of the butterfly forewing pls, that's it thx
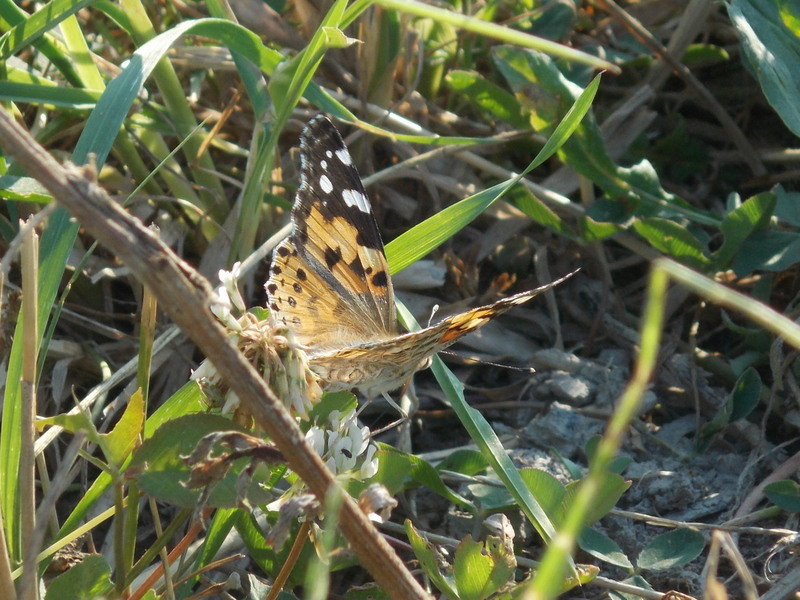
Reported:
(329, 279)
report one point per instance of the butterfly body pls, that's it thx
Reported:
(329, 280)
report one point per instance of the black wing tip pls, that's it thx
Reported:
(320, 128)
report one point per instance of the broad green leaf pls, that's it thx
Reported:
(786, 206)
(428, 560)
(746, 394)
(88, 580)
(72, 424)
(464, 461)
(603, 548)
(606, 497)
(704, 53)
(636, 580)
(341, 401)
(159, 469)
(673, 240)
(752, 215)
(785, 494)
(547, 490)
(768, 250)
(772, 52)
(422, 473)
(487, 96)
(120, 441)
(481, 569)
(671, 549)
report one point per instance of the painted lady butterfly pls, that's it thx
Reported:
(329, 281)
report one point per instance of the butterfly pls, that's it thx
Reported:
(329, 281)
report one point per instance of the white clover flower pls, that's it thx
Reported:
(206, 370)
(230, 281)
(316, 439)
(342, 444)
(222, 306)
(370, 465)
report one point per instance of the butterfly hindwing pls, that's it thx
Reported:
(396, 359)
(329, 279)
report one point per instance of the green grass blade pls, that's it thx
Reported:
(40, 22)
(428, 235)
(48, 95)
(499, 32)
(11, 16)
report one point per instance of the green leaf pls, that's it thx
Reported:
(480, 570)
(428, 235)
(545, 93)
(671, 549)
(785, 494)
(120, 441)
(420, 471)
(42, 21)
(705, 53)
(772, 51)
(786, 206)
(160, 471)
(603, 548)
(464, 461)
(637, 581)
(48, 95)
(768, 251)
(71, 423)
(674, 240)
(538, 211)
(487, 96)
(429, 561)
(752, 215)
(492, 449)
(547, 490)
(606, 497)
(342, 401)
(746, 394)
(88, 580)
(24, 189)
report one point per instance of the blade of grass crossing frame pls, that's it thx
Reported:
(286, 87)
(418, 241)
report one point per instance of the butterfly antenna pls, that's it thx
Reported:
(477, 361)
(434, 310)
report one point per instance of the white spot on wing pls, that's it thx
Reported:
(325, 184)
(324, 165)
(356, 199)
(328, 153)
(344, 156)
